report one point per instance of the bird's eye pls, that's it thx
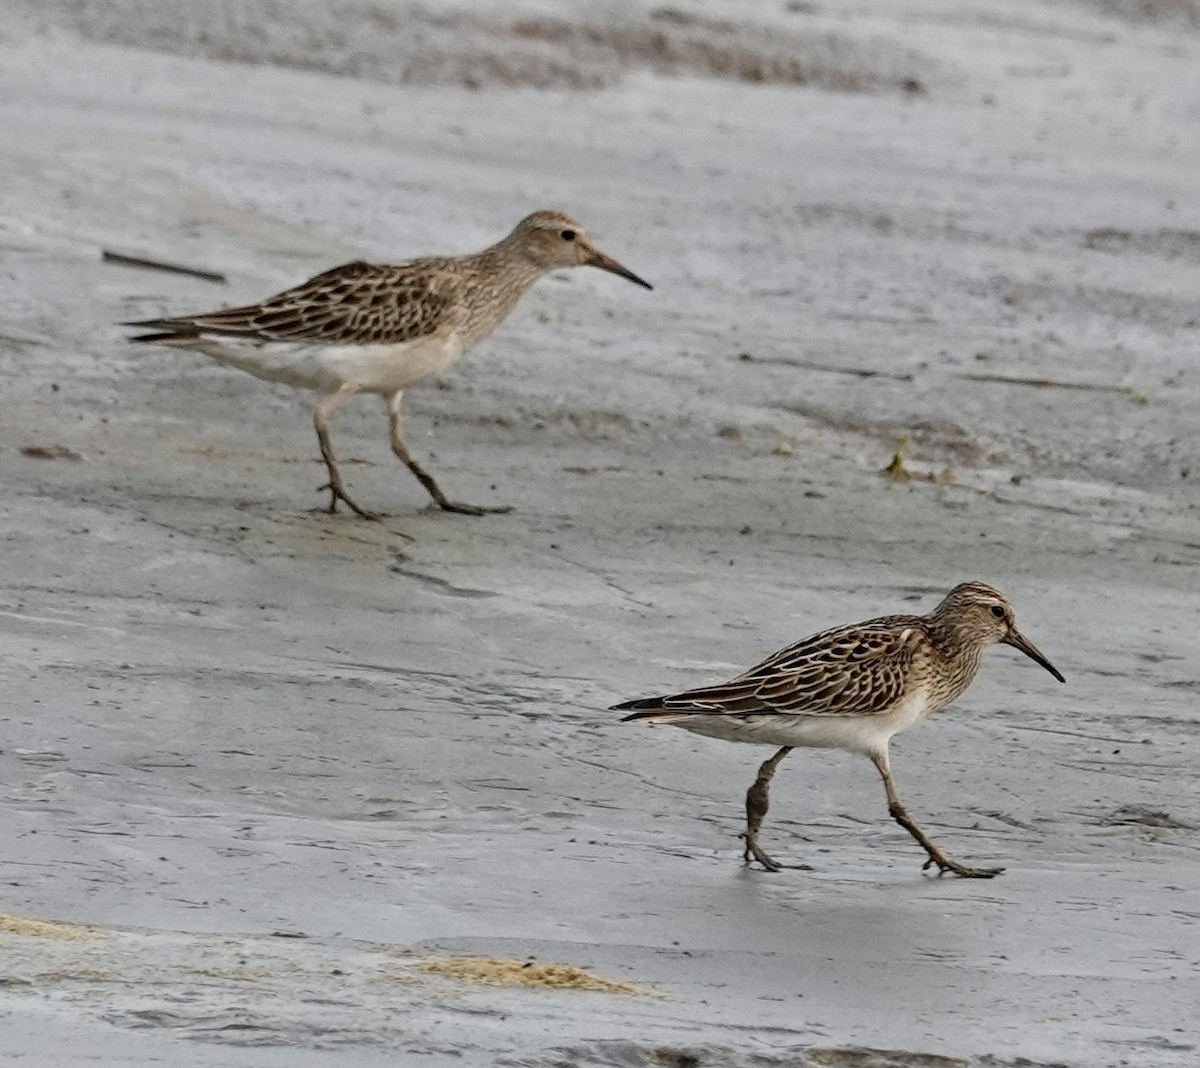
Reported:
(998, 611)
(567, 235)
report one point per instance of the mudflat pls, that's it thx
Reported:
(281, 788)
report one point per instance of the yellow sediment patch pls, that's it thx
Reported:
(66, 932)
(80, 975)
(897, 469)
(496, 972)
(247, 975)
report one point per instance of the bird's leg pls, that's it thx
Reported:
(898, 812)
(424, 477)
(337, 488)
(758, 800)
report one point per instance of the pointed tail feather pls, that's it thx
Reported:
(164, 330)
(643, 708)
(153, 338)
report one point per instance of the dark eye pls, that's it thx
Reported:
(567, 235)
(998, 611)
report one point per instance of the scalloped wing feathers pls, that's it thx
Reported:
(856, 670)
(359, 303)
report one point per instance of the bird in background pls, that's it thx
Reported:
(852, 687)
(381, 328)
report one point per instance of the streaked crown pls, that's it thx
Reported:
(974, 615)
(975, 612)
(551, 239)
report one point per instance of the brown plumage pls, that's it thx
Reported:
(367, 328)
(359, 303)
(852, 687)
(856, 670)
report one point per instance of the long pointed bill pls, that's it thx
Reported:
(607, 263)
(1018, 641)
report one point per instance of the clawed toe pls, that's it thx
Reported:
(336, 494)
(750, 856)
(961, 870)
(752, 853)
(459, 508)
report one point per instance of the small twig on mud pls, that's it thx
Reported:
(1049, 383)
(109, 256)
(50, 452)
(854, 372)
(1072, 734)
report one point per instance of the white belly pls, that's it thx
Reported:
(860, 734)
(325, 368)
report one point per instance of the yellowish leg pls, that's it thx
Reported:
(898, 812)
(321, 417)
(758, 800)
(400, 448)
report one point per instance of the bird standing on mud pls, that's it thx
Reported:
(852, 688)
(365, 328)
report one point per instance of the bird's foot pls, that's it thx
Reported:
(338, 493)
(470, 509)
(945, 864)
(752, 852)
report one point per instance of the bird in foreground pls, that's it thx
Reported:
(851, 687)
(381, 328)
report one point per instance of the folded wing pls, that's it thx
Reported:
(856, 670)
(357, 303)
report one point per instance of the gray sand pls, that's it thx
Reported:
(276, 759)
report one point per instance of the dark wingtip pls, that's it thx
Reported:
(641, 708)
(163, 329)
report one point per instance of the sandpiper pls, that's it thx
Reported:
(852, 687)
(367, 328)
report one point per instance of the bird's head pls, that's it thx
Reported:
(981, 615)
(552, 240)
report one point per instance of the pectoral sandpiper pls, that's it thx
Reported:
(365, 328)
(852, 688)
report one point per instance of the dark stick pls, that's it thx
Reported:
(109, 256)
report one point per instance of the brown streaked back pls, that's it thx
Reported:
(356, 303)
(859, 670)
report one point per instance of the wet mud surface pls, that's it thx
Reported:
(269, 777)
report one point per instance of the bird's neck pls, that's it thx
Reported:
(960, 654)
(507, 259)
(498, 278)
